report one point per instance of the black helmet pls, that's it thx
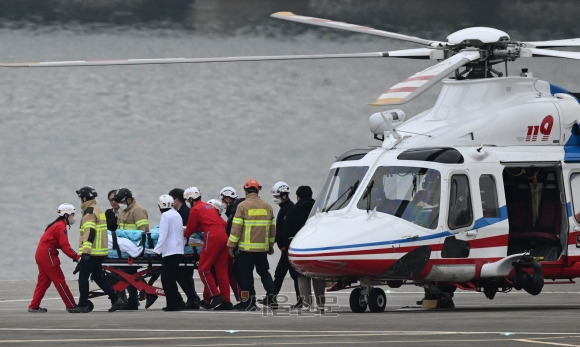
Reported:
(87, 192)
(121, 195)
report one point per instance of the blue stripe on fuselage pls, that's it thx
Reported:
(479, 224)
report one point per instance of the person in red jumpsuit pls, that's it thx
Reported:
(203, 217)
(49, 271)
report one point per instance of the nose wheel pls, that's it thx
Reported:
(365, 296)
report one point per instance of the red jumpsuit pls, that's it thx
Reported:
(203, 217)
(49, 270)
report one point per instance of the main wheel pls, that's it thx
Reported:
(377, 300)
(357, 301)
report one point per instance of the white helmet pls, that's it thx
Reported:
(229, 192)
(217, 204)
(165, 202)
(66, 208)
(192, 192)
(280, 188)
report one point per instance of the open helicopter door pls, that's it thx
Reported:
(572, 175)
(537, 214)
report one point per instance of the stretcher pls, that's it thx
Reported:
(140, 272)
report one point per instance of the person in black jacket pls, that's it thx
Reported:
(281, 194)
(295, 220)
(112, 213)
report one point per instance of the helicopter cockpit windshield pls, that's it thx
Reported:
(410, 193)
(340, 186)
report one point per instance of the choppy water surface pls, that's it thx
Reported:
(153, 128)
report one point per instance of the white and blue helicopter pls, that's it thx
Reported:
(480, 192)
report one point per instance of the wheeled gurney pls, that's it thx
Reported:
(141, 271)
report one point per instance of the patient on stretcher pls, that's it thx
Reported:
(132, 243)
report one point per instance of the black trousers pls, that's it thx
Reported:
(282, 268)
(185, 280)
(246, 262)
(169, 274)
(94, 266)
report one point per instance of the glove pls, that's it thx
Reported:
(78, 267)
(231, 252)
(271, 250)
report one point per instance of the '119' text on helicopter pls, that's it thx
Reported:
(480, 192)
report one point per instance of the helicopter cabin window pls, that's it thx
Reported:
(460, 210)
(410, 193)
(488, 192)
(339, 188)
(575, 189)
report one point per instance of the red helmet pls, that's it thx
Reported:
(252, 183)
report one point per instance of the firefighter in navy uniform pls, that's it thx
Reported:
(253, 233)
(131, 217)
(93, 250)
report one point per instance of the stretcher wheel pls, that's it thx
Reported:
(91, 306)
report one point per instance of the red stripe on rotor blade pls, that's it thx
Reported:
(403, 89)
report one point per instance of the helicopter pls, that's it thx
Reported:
(480, 192)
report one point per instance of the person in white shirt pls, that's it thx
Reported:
(170, 247)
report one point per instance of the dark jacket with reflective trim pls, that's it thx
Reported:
(253, 228)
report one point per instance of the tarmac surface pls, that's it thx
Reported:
(512, 319)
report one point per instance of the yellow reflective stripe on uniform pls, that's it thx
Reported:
(258, 223)
(233, 238)
(91, 225)
(272, 239)
(127, 226)
(141, 222)
(254, 245)
(257, 212)
(237, 220)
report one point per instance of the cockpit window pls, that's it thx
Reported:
(340, 186)
(410, 193)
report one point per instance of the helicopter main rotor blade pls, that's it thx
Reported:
(538, 52)
(418, 53)
(554, 43)
(353, 27)
(415, 85)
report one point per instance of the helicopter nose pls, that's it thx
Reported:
(332, 247)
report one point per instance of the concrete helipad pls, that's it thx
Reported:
(514, 319)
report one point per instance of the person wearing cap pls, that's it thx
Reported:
(93, 250)
(253, 233)
(170, 247)
(131, 217)
(49, 271)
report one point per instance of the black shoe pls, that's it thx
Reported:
(270, 301)
(37, 310)
(245, 307)
(204, 304)
(216, 301)
(79, 309)
(191, 305)
(179, 307)
(131, 305)
(226, 306)
(297, 305)
(117, 305)
(150, 300)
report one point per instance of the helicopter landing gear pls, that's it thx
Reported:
(531, 283)
(365, 296)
